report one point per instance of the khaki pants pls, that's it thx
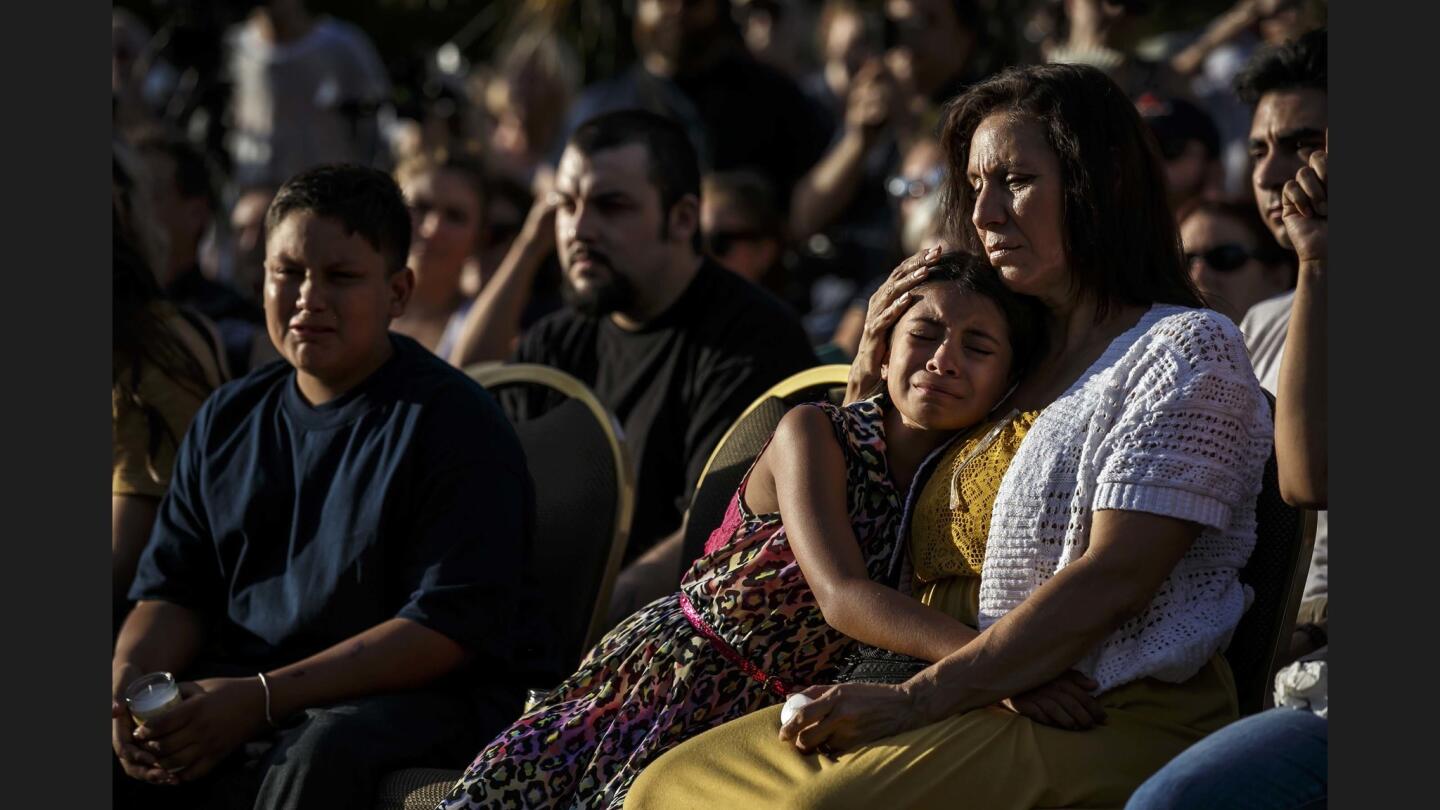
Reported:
(988, 758)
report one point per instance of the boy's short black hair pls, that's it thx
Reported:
(1302, 63)
(366, 201)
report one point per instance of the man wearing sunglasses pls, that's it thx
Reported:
(1232, 257)
(744, 230)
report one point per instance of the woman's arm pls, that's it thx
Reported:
(1130, 555)
(807, 468)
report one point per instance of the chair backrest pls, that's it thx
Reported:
(1276, 571)
(742, 443)
(584, 502)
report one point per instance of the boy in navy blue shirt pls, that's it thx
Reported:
(335, 568)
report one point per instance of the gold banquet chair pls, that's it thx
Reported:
(742, 443)
(584, 502)
(584, 496)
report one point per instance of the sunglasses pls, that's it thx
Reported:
(720, 243)
(1221, 258)
(914, 188)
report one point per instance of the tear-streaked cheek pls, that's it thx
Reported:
(1022, 201)
(281, 292)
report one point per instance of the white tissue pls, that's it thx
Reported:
(1303, 685)
(792, 706)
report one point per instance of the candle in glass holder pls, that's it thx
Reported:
(533, 698)
(792, 706)
(152, 695)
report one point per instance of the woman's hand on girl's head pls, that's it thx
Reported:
(839, 718)
(886, 306)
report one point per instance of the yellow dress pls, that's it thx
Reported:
(988, 758)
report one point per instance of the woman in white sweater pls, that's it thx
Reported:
(1105, 546)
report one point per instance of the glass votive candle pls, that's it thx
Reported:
(151, 696)
(533, 697)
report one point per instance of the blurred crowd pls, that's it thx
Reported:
(814, 122)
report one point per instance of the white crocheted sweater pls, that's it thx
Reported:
(1169, 421)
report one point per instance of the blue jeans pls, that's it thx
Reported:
(1274, 760)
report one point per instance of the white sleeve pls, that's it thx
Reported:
(1194, 431)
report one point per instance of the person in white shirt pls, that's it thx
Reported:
(1287, 87)
(307, 91)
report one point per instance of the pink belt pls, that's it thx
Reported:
(693, 616)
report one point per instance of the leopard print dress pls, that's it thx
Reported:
(743, 632)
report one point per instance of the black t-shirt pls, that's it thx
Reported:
(677, 384)
(290, 527)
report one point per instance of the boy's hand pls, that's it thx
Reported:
(134, 760)
(215, 717)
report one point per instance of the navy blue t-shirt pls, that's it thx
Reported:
(290, 528)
